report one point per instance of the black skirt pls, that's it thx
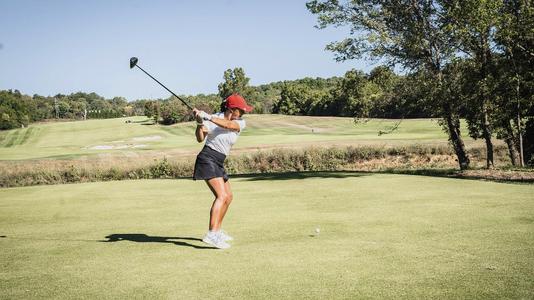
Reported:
(209, 164)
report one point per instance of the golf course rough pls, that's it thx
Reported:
(93, 138)
(381, 236)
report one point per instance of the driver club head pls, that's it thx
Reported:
(133, 62)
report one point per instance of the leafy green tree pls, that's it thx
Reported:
(8, 119)
(14, 109)
(351, 96)
(292, 100)
(307, 96)
(235, 81)
(118, 104)
(173, 111)
(412, 97)
(149, 109)
(208, 103)
(44, 109)
(64, 109)
(409, 33)
(384, 77)
(473, 24)
(79, 108)
(515, 38)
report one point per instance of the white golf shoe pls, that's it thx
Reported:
(215, 239)
(225, 236)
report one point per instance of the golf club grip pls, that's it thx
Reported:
(185, 103)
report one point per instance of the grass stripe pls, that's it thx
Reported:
(26, 136)
(13, 137)
(3, 137)
(7, 137)
(19, 136)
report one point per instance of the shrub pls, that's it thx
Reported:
(365, 158)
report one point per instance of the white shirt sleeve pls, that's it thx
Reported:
(210, 125)
(241, 124)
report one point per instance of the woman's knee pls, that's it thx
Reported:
(225, 197)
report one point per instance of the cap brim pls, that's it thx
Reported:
(248, 108)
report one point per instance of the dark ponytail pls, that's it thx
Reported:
(223, 106)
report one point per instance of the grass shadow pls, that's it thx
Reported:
(443, 173)
(422, 172)
(143, 238)
(458, 174)
(300, 175)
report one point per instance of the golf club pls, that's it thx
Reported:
(133, 63)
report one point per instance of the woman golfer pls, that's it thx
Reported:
(220, 132)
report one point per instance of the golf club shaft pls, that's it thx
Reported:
(185, 103)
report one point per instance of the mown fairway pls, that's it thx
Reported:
(66, 140)
(381, 236)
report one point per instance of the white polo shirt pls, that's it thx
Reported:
(221, 139)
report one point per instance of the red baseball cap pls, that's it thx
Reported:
(236, 101)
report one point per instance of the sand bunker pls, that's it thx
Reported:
(101, 147)
(147, 138)
(117, 147)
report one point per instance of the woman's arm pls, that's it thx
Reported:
(201, 133)
(231, 125)
(201, 130)
(224, 123)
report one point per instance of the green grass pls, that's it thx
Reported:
(382, 236)
(76, 139)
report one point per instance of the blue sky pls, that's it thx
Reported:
(51, 47)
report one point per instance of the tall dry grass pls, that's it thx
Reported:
(361, 158)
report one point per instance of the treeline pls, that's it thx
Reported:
(18, 110)
(379, 94)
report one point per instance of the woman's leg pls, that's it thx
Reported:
(220, 205)
(230, 197)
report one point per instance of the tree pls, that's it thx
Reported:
(295, 99)
(79, 108)
(412, 97)
(473, 24)
(118, 105)
(173, 111)
(235, 81)
(351, 96)
(516, 39)
(149, 109)
(306, 96)
(406, 33)
(14, 110)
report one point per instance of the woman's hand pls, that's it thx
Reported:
(203, 115)
(197, 117)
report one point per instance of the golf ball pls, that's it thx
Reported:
(317, 230)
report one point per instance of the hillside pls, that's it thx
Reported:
(115, 137)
